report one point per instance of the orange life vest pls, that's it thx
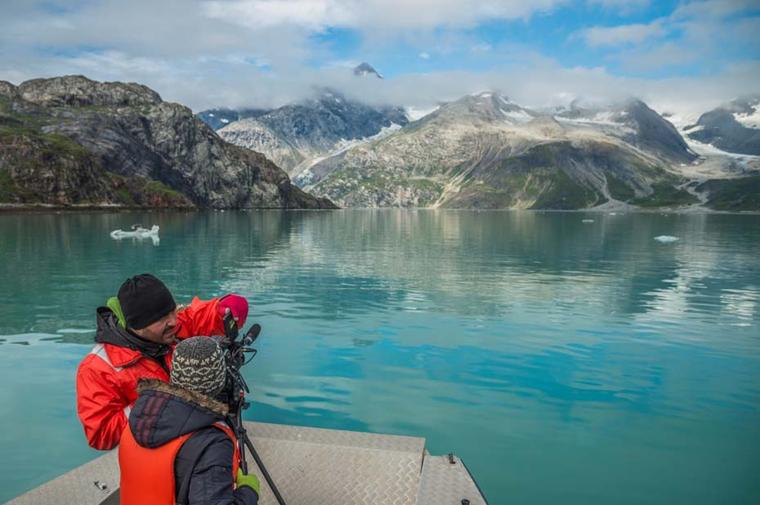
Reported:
(147, 475)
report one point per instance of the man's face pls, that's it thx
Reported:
(162, 331)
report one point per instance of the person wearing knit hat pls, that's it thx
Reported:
(149, 308)
(137, 331)
(198, 365)
(177, 447)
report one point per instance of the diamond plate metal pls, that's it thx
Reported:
(357, 439)
(319, 466)
(444, 483)
(310, 466)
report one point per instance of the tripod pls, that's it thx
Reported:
(236, 389)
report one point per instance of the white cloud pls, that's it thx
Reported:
(666, 55)
(313, 14)
(424, 55)
(203, 56)
(539, 82)
(621, 35)
(712, 9)
(703, 30)
(117, 64)
(621, 6)
(373, 14)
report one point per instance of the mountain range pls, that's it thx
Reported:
(73, 141)
(294, 135)
(733, 127)
(485, 151)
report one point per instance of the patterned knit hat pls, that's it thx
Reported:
(198, 365)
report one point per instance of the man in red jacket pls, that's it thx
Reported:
(135, 337)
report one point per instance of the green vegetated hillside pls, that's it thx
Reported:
(733, 194)
(72, 141)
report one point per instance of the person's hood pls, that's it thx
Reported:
(109, 331)
(164, 412)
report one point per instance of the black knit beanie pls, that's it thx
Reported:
(144, 299)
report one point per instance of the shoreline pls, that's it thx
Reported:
(41, 208)
(46, 207)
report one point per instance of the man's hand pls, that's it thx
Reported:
(247, 480)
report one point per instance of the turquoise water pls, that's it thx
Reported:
(565, 362)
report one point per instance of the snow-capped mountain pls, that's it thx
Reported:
(635, 123)
(733, 127)
(294, 135)
(486, 151)
(219, 118)
(365, 69)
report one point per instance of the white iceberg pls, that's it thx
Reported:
(665, 239)
(587, 221)
(138, 232)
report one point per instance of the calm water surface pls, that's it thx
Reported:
(565, 362)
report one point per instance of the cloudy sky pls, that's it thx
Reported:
(680, 56)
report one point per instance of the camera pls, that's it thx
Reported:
(237, 353)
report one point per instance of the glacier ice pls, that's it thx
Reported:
(665, 239)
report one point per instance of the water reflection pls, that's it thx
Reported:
(154, 239)
(533, 344)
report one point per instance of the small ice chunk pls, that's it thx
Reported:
(225, 121)
(587, 221)
(666, 239)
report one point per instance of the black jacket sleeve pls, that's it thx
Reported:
(203, 471)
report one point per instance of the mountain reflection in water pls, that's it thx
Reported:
(562, 360)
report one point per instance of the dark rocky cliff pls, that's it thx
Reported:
(73, 141)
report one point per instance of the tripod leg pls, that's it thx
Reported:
(237, 426)
(263, 469)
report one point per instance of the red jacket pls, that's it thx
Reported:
(107, 377)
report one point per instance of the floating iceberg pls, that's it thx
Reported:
(137, 232)
(587, 221)
(665, 239)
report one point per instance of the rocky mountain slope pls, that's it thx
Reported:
(485, 151)
(734, 127)
(364, 69)
(73, 141)
(294, 135)
(634, 123)
(219, 118)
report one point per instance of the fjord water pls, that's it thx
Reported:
(565, 361)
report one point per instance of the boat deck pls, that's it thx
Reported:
(310, 466)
